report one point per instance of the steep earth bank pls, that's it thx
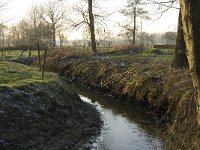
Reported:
(44, 115)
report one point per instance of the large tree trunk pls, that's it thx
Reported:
(180, 59)
(91, 25)
(191, 26)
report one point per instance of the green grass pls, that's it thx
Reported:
(14, 75)
(144, 57)
(14, 54)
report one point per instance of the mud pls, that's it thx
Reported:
(50, 116)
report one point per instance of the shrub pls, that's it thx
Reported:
(155, 51)
(126, 47)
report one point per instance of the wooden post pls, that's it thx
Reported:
(21, 54)
(29, 55)
(44, 61)
(39, 58)
(2, 53)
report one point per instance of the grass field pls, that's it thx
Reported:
(14, 74)
(15, 54)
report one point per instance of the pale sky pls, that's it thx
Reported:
(17, 9)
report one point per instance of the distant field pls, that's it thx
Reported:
(14, 54)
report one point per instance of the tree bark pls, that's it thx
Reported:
(91, 26)
(30, 52)
(191, 27)
(2, 53)
(39, 58)
(44, 63)
(54, 34)
(180, 58)
(134, 28)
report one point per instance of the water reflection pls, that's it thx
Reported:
(130, 128)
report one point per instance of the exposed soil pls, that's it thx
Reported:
(26, 61)
(49, 116)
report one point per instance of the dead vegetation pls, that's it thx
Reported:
(142, 78)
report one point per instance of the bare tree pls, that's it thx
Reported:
(35, 16)
(91, 26)
(54, 14)
(160, 7)
(25, 34)
(128, 32)
(41, 30)
(170, 37)
(61, 38)
(3, 4)
(132, 11)
(105, 37)
(2, 34)
(151, 39)
(88, 17)
(2, 38)
(14, 35)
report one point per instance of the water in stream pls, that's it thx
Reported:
(126, 127)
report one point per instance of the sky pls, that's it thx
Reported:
(17, 9)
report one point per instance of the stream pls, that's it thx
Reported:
(126, 126)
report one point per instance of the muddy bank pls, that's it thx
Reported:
(149, 81)
(49, 116)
